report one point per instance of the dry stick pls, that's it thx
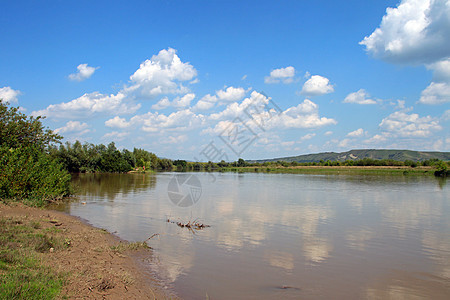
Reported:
(153, 235)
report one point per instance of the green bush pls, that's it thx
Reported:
(27, 172)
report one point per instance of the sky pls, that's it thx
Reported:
(212, 80)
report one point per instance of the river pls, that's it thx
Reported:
(281, 236)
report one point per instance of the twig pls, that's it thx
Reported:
(152, 236)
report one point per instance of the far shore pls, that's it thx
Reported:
(351, 170)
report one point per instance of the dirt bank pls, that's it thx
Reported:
(98, 265)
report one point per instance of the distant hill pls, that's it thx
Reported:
(400, 155)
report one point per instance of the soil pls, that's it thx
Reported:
(95, 269)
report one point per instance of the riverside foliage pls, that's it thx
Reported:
(28, 172)
(82, 158)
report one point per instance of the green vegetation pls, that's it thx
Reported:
(82, 158)
(378, 167)
(22, 273)
(28, 173)
(123, 247)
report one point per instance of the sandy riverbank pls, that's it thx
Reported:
(98, 265)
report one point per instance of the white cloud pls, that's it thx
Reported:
(416, 31)
(401, 124)
(9, 95)
(174, 139)
(359, 97)
(182, 102)
(317, 85)
(162, 74)
(161, 104)
(399, 105)
(115, 135)
(304, 115)
(88, 105)
(84, 72)
(436, 93)
(344, 143)
(244, 77)
(177, 121)
(376, 139)
(178, 102)
(357, 133)
(73, 126)
(235, 109)
(117, 122)
(441, 70)
(206, 102)
(285, 75)
(307, 137)
(231, 94)
(328, 133)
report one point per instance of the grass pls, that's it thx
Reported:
(22, 273)
(123, 247)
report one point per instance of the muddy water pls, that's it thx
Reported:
(282, 236)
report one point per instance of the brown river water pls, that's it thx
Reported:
(281, 236)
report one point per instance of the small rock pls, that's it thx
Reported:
(51, 250)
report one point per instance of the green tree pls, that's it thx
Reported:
(28, 172)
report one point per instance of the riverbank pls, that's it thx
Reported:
(334, 170)
(82, 262)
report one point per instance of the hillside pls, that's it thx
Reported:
(400, 155)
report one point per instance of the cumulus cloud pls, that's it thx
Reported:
(402, 124)
(178, 102)
(285, 75)
(256, 110)
(88, 105)
(231, 94)
(304, 115)
(377, 138)
(436, 93)
(316, 86)
(83, 73)
(416, 31)
(162, 74)
(357, 133)
(441, 70)
(9, 95)
(115, 135)
(161, 104)
(184, 101)
(307, 137)
(74, 127)
(181, 120)
(359, 97)
(206, 102)
(117, 122)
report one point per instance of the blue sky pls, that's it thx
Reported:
(226, 79)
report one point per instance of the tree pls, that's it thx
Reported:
(18, 130)
(28, 172)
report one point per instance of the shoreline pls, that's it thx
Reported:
(95, 264)
(336, 170)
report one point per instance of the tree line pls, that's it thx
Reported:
(82, 158)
